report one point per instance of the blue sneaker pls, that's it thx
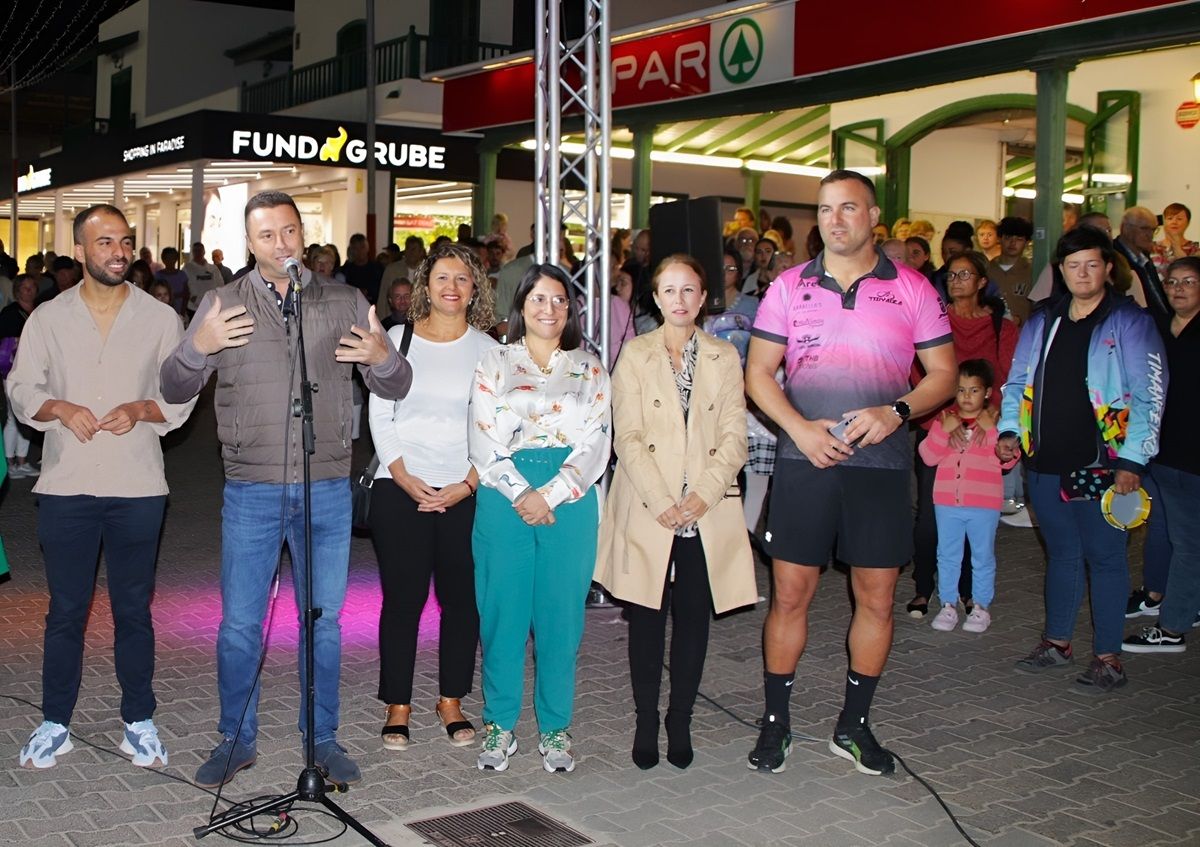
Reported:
(48, 741)
(340, 768)
(142, 743)
(226, 759)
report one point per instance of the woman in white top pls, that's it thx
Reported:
(539, 438)
(423, 504)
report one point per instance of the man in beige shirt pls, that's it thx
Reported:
(86, 374)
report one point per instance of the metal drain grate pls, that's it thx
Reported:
(505, 825)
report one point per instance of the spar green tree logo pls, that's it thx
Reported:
(741, 51)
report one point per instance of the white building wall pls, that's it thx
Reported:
(133, 19)
(957, 173)
(1169, 156)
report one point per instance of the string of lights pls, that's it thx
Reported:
(42, 59)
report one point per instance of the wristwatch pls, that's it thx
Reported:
(901, 409)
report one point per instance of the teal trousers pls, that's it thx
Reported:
(532, 579)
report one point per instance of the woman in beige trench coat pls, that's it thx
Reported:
(673, 537)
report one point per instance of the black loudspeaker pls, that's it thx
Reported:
(692, 227)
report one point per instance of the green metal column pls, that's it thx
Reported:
(1049, 159)
(753, 183)
(483, 195)
(643, 168)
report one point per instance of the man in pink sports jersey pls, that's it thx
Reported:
(847, 326)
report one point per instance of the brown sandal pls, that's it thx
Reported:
(395, 733)
(461, 732)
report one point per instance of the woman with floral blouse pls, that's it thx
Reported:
(539, 438)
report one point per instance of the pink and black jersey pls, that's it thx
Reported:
(854, 349)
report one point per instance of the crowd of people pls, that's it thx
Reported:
(830, 378)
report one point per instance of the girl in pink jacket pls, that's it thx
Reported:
(967, 494)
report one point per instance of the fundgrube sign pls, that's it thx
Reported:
(781, 42)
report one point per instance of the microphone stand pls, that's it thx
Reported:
(311, 785)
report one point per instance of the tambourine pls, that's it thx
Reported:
(1125, 511)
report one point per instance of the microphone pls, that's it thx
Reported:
(292, 266)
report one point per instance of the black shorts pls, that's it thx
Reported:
(865, 514)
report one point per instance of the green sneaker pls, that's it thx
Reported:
(498, 745)
(555, 748)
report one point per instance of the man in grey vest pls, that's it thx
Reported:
(247, 333)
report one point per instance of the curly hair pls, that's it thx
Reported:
(480, 312)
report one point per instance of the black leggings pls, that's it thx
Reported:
(410, 546)
(689, 600)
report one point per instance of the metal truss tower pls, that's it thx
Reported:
(574, 79)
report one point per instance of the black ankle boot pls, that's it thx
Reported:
(679, 739)
(645, 740)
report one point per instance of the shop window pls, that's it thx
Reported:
(120, 100)
(1110, 153)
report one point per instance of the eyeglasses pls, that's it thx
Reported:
(1181, 282)
(729, 269)
(746, 239)
(538, 301)
(964, 275)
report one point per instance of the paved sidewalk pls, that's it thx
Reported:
(1023, 761)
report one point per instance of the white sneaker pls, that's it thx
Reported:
(48, 741)
(1020, 519)
(1011, 507)
(555, 748)
(978, 621)
(142, 743)
(946, 619)
(498, 745)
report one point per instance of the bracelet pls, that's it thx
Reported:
(470, 487)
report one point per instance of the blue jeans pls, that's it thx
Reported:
(71, 530)
(255, 520)
(1156, 552)
(1076, 533)
(1179, 500)
(954, 525)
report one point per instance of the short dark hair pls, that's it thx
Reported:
(1014, 225)
(358, 238)
(414, 239)
(842, 174)
(920, 242)
(959, 231)
(1175, 209)
(1084, 238)
(766, 240)
(977, 260)
(196, 244)
(1184, 262)
(169, 252)
(980, 369)
(269, 200)
(63, 263)
(81, 218)
(572, 334)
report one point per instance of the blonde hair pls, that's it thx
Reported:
(480, 312)
(921, 228)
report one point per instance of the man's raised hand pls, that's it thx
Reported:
(222, 328)
(365, 346)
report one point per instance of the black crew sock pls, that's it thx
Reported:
(778, 688)
(860, 691)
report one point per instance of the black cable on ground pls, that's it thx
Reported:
(800, 736)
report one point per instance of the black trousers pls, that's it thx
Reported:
(689, 600)
(925, 537)
(411, 546)
(71, 530)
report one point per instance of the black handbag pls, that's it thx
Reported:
(360, 486)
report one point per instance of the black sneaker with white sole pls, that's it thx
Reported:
(858, 744)
(1154, 639)
(771, 751)
(1141, 605)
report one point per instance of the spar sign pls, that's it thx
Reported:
(728, 53)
